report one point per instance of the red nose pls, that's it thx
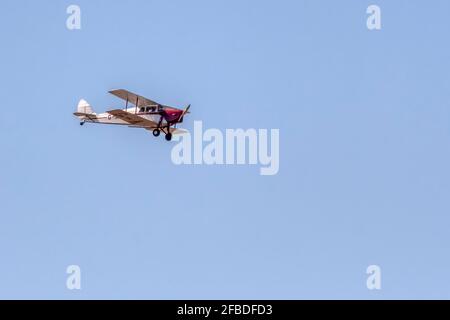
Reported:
(173, 115)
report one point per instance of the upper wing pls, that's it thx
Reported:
(133, 119)
(133, 98)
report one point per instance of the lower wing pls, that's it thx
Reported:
(136, 121)
(133, 119)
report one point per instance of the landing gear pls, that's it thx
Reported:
(81, 123)
(165, 130)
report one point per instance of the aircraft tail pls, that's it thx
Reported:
(84, 109)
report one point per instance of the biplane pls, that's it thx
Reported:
(139, 112)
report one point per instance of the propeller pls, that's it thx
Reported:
(180, 119)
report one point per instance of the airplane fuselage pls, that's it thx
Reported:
(168, 116)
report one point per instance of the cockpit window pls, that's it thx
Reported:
(142, 110)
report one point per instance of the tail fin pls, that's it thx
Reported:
(84, 110)
(84, 107)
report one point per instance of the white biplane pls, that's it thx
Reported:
(144, 113)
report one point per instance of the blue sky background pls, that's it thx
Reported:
(364, 174)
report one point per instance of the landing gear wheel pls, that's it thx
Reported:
(156, 132)
(168, 136)
(81, 123)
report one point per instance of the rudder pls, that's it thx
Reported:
(84, 107)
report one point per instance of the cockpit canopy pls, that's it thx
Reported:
(149, 109)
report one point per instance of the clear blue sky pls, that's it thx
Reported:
(364, 121)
